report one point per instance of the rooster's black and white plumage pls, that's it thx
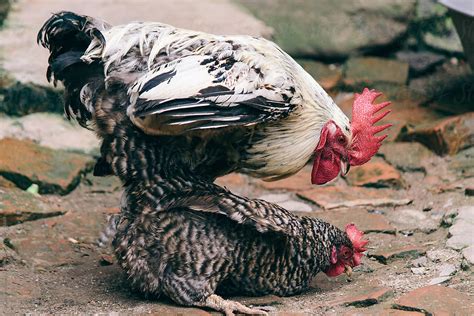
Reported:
(176, 108)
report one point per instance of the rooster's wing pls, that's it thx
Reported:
(202, 92)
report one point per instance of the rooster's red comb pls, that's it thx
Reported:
(364, 142)
(355, 237)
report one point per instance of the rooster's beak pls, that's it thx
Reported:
(345, 166)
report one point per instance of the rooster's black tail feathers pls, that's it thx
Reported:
(67, 36)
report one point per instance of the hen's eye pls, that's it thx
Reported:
(341, 139)
(346, 254)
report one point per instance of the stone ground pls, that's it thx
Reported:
(415, 200)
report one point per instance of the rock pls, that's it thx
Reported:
(276, 197)
(7, 255)
(17, 206)
(375, 173)
(235, 182)
(466, 213)
(463, 163)
(299, 181)
(50, 130)
(47, 243)
(446, 136)
(19, 98)
(449, 42)
(449, 217)
(461, 230)
(361, 71)
(338, 197)
(447, 269)
(55, 171)
(365, 221)
(327, 29)
(327, 76)
(419, 262)
(439, 280)
(442, 255)
(420, 62)
(4, 8)
(418, 271)
(436, 300)
(287, 201)
(469, 191)
(387, 255)
(461, 227)
(4, 183)
(468, 253)
(459, 242)
(106, 260)
(410, 220)
(368, 298)
(406, 156)
(448, 89)
(296, 206)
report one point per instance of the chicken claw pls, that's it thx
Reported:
(229, 307)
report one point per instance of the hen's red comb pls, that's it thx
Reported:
(364, 142)
(355, 237)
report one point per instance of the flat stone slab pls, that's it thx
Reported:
(411, 220)
(17, 206)
(445, 136)
(364, 220)
(377, 174)
(58, 241)
(386, 255)
(368, 298)
(55, 171)
(324, 28)
(415, 160)
(49, 130)
(332, 197)
(468, 253)
(297, 182)
(366, 70)
(287, 201)
(328, 77)
(436, 300)
(4, 183)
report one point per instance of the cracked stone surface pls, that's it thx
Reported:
(55, 171)
(414, 206)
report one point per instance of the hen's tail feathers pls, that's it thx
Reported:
(108, 234)
(67, 36)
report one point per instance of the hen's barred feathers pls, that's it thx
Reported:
(190, 255)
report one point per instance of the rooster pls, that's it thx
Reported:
(177, 108)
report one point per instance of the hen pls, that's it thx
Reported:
(190, 256)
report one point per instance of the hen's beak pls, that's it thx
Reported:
(345, 166)
(348, 271)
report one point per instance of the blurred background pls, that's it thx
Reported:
(414, 200)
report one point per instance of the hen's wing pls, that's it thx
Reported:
(202, 92)
(211, 198)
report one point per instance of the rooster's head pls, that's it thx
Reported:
(346, 256)
(339, 147)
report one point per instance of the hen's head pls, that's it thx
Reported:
(346, 256)
(340, 147)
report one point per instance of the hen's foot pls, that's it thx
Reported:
(228, 307)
